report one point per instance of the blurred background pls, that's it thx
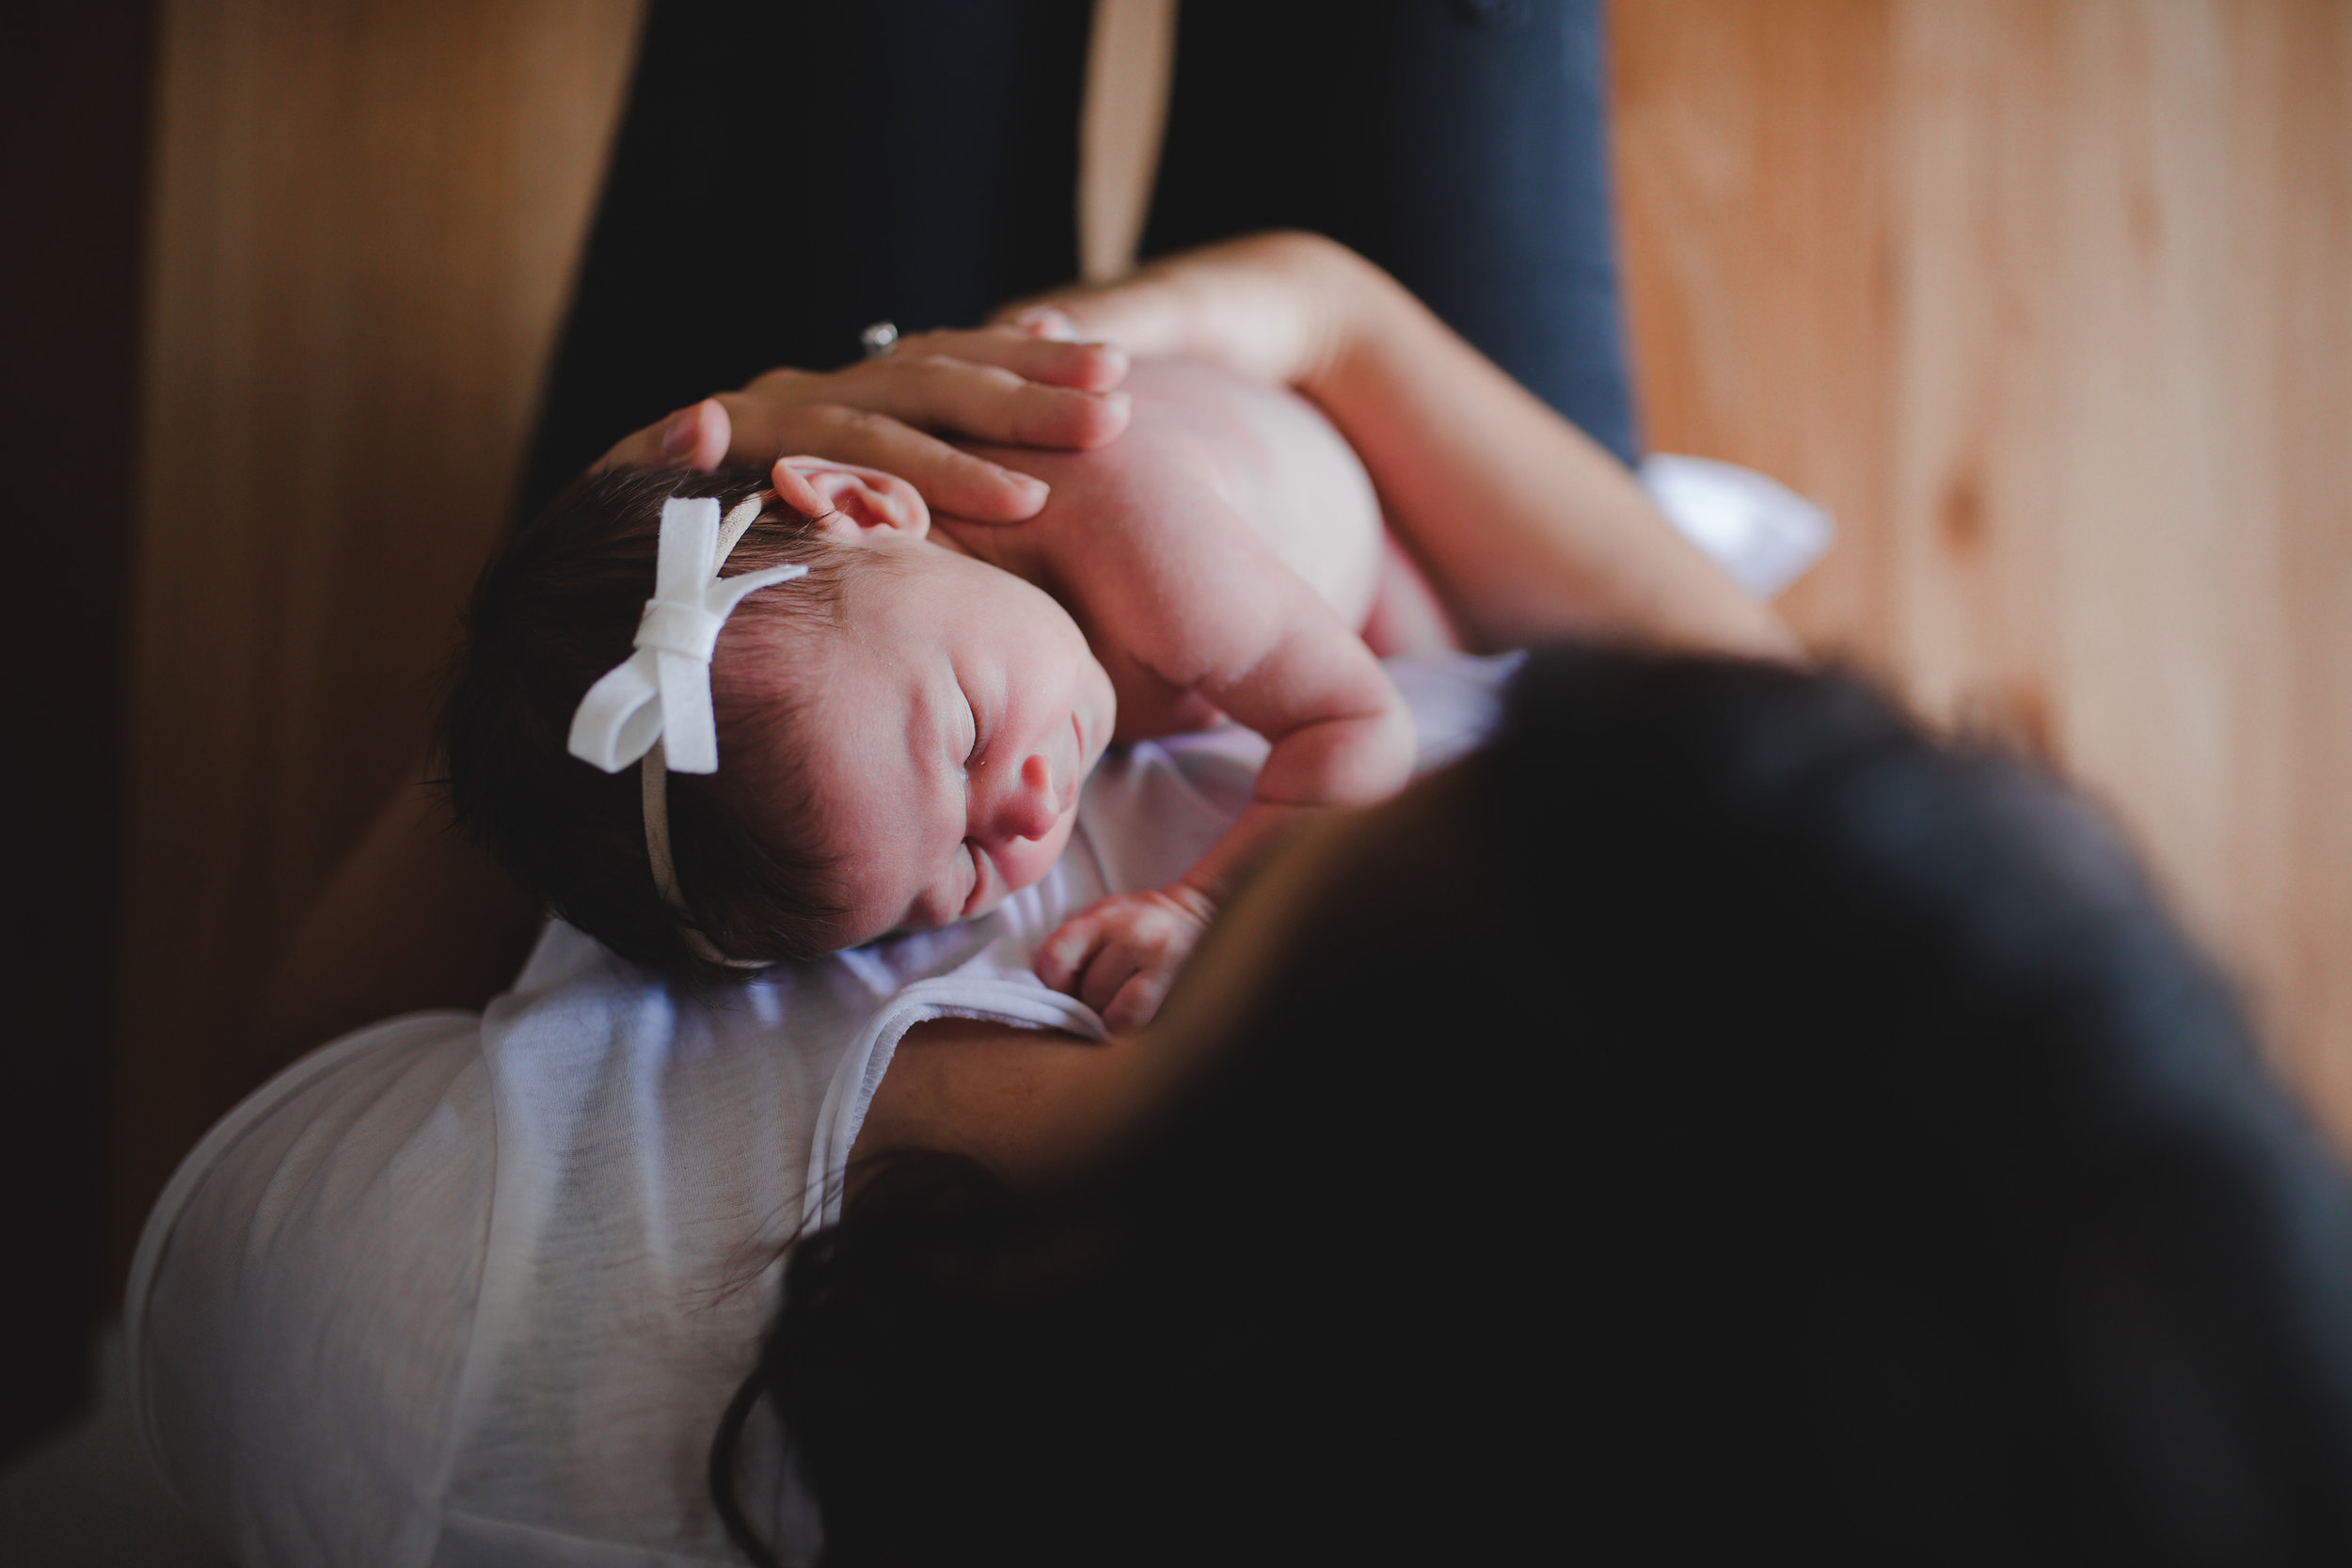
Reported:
(2049, 302)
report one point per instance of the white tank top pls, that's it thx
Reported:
(466, 1289)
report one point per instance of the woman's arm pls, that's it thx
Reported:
(1527, 529)
(1002, 1095)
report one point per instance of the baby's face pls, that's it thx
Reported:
(953, 719)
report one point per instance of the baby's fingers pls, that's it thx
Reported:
(1062, 958)
(1139, 999)
(1089, 957)
(1120, 954)
(1116, 961)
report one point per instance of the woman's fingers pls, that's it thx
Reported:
(950, 481)
(1044, 320)
(1139, 999)
(1143, 315)
(1050, 352)
(711, 435)
(988, 403)
(1273, 306)
(747, 431)
(1014, 386)
(697, 437)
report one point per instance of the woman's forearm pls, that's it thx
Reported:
(1527, 528)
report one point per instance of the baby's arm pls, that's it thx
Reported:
(1241, 628)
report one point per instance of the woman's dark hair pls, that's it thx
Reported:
(1728, 1119)
(554, 611)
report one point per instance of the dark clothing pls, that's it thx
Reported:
(1462, 145)
(788, 173)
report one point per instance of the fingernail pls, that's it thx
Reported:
(1114, 399)
(677, 436)
(1045, 321)
(1028, 486)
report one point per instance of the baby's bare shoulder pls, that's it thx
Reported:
(1225, 516)
(1161, 563)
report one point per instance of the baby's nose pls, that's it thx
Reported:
(1033, 804)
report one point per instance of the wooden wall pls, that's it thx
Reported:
(364, 218)
(2051, 300)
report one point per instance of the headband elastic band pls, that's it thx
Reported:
(653, 708)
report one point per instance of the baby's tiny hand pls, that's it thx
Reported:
(1119, 954)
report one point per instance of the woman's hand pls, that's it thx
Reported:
(1028, 386)
(1278, 307)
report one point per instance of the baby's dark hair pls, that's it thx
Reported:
(553, 611)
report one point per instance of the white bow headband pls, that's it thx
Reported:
(653, 706)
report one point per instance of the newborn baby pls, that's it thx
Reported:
(903, 731)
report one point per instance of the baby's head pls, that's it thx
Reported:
(901, 731)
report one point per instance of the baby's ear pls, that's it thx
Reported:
(859, 499)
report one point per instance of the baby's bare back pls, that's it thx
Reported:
(1159, 543)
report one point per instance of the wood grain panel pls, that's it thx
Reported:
(2051, 300)
(1760, 257)
(364, 218)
